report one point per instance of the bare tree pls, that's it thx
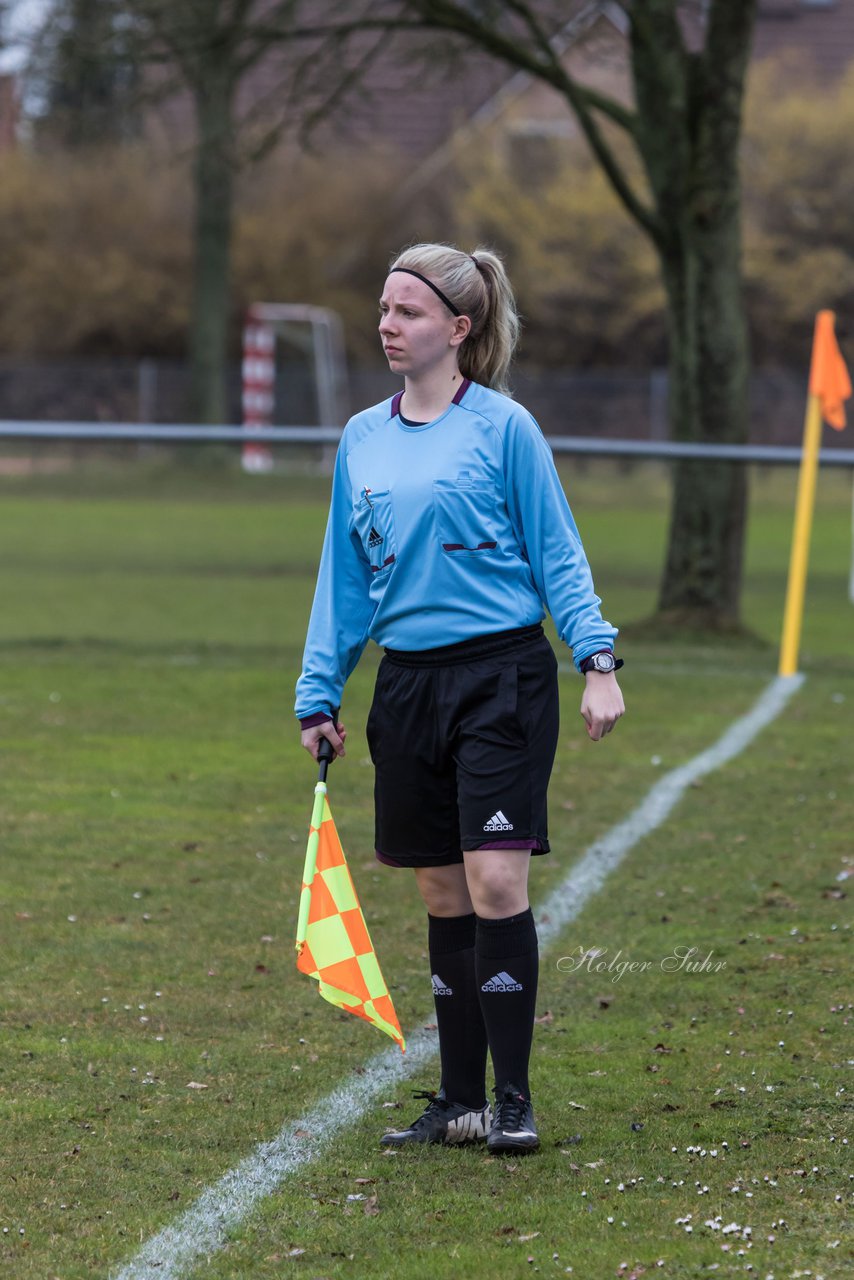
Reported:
(209, 46)
(82, 67)
(209, 49)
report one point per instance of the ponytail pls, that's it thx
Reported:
(479, 287)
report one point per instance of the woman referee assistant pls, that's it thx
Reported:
(448, 538)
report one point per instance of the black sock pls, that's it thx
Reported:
(462, 1035)
(507, 967)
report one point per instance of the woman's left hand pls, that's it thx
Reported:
(602, 703)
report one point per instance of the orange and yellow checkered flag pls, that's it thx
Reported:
(333, 943)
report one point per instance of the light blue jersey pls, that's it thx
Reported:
(442, 532)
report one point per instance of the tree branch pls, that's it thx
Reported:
(346, 80)
(439, 15)
(610, 107)
(523, 11)
(447, 16)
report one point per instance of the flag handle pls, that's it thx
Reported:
(325, 756)
(311, 857)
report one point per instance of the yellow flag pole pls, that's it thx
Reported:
(310, 863)
(804, 506)
(325, 756)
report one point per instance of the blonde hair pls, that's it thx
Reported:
(479, 287)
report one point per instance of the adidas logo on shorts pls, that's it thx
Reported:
(502, 982)
(439, 988)
(498, 822)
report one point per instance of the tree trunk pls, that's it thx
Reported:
(701, 582)
(688, 130)
(213, 194)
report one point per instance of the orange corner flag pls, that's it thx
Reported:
(829, 388)
(829, 379)
(333, 943)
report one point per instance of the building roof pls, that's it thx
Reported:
(819, 34)
(820, 31)
(414, 100)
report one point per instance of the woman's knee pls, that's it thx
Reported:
(444, 890)
(496, 902)
(498, 886)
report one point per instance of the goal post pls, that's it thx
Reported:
(322, 327)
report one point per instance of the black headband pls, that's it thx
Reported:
(455, 311)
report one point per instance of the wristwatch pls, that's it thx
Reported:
(604, 662)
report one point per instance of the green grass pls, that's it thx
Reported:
(153, 811)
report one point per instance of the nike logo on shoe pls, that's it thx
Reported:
(514, 1130)
(472, 1126)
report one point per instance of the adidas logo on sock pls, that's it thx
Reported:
(374, 538)
(439, 988)
(502, 982)
(498, 822)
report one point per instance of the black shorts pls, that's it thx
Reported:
(463, 739)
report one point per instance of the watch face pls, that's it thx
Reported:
(603, 661)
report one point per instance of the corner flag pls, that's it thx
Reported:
(829, 388)
(333, 943)
(829, 379)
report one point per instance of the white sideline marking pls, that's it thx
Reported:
(202, 1229)
(566, 901)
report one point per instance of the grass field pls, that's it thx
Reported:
(153, 812)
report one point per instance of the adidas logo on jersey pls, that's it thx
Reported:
(439, 988)
(498, 822)
(502, 982)
(374, 538)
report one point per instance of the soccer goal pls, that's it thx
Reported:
(317, 332)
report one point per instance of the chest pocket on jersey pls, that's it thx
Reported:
(465, 516)
(374, 521)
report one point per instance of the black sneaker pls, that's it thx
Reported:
(446, 1122)
(513, 1129)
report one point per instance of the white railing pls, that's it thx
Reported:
(183, 433)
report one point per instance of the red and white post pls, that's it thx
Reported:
(259, 371)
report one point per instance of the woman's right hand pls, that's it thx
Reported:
(336, 734)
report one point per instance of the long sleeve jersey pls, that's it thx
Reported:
(441, 532)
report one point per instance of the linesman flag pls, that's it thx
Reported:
(333, 943)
